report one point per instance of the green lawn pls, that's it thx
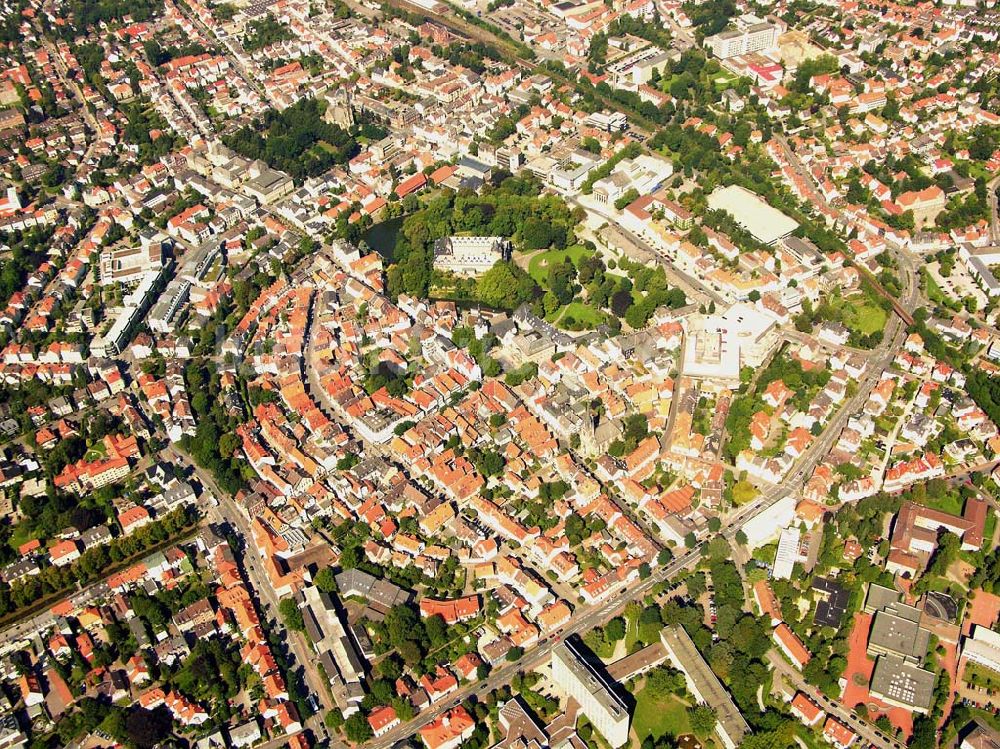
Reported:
(658, 718)
(586, 317)
(631, 633)
(866, 318)
(96, 452)
(948, 501)
(538, 266)
(21, 534)
(722, 82)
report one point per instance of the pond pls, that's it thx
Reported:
(382, 237)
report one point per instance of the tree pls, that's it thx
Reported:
(147, 728)
(326, 580)
(356, 728)
(410, 652)
(437, 630)
(663, 681)
(614, 630)
(664, 557)
(924, 733)
(714, 524)
(644, 571)
(550, 303)
(561, 277)
(620, 302)
(404, 709)
(536, 234)
(690, 540)
(291, 614)
(702, 719)
(505, 286)
(390, 667)
(515, 653)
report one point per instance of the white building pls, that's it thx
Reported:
(593, 691)
(644, 174)
(469, 256)
(765, 526)
(787, 554)
(717, 346)
(751, 34)
(982, 648)
(126, 265)
(767, 224)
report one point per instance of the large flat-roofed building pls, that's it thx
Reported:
(335, 649)
(902, 684)
(766, 525)
(765, 223)
(127, 265)
(899, 645)
(469, 256)
(896, 631)
(587, 683)
(730, 727)
(267, 185)
(787, 554)
(750, 34)
(717, 346)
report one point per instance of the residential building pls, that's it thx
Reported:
(587, 683)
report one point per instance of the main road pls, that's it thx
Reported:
(230, 513)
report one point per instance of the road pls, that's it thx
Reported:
(63, 73)
(268, 599)
(991, 194)
(899, 306)
(866, 730)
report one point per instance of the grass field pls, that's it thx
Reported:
(658, 718)
(723, 81)
(96, 452)
(585, 316)
(631, 632)
(948, 501)
(21, 534)
(866, 318)
(538, 266)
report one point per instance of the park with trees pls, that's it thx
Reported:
(296, 140)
